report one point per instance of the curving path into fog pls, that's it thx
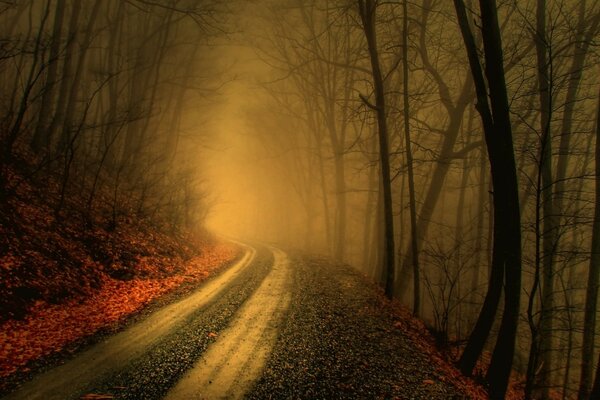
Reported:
(71, 379)
(272, 326)
(232, 364)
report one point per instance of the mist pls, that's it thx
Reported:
(447, 151)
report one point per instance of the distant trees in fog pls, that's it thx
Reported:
(95, 91)
(503, 206)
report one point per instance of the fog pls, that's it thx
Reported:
(299, 164)
(352, 130)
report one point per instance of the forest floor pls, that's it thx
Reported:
(304, 328)
(67, 276)
(91, 309)
(272, 325)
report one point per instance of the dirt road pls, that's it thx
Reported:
(104, 359)
(273, 325)
(232, 364)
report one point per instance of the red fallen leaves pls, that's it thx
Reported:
(416, 330)
(55, 257)
(49, 328)
(422, 339)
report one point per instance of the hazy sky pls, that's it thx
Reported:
(231, 166)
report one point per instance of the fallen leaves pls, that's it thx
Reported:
(65, 275)
(49, 328)
(93, 396)
(422, 340)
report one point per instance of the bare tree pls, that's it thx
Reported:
(368, 14)
(409, 165)
(507, 231)
(40, 136)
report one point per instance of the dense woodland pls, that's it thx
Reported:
(98, 177)
(449, 150)
(96, 92)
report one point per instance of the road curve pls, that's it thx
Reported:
(269, 327)
(232, 364)
(69, 380)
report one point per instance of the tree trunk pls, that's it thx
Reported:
(324, 197)
(409, 165)
(370, 208)
(583, 39)
(455, 113)
(459, 240)
(479, 234)
(7, 142)
(367, 10)
(340, 211)
(112, 130)
(378, 241)
(498, 136)
(434, 190)
(63, 95)
(548, 234)
(76, 82)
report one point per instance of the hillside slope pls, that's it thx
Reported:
(69, 274)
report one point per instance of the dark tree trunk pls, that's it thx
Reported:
(7, 142)
(498, 136)
(548, 233)
(367, 10)
(72, 99)
(370, 208)
(479, 233)
(409, 165)
(63, 95)
(455, 113)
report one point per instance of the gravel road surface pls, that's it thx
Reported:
(272, 326)
(338, 342)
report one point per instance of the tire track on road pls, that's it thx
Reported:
(150, 376)
(232, 364)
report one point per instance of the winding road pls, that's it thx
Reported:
(269, 326)
(230, 367)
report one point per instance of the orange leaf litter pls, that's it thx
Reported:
(49, 327)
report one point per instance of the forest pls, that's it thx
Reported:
(448, 151)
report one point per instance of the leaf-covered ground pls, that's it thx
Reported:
(446, 359)
(68, 272)
(48, 328)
